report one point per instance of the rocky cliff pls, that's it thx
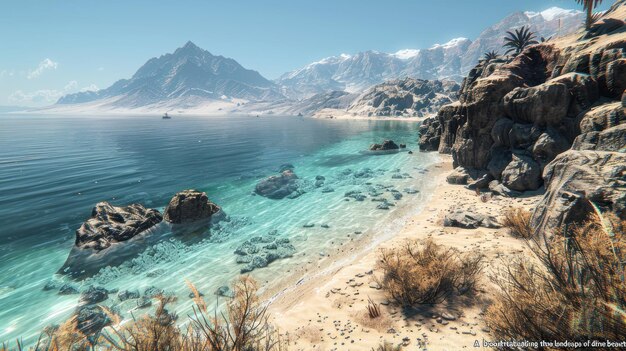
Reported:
(553, 116)
(405, 97)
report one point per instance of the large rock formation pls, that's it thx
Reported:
(190, 206)
(102, 239)
(514, 117)
(557, 110)
(405, 97)
(110, 224)
(575, 180)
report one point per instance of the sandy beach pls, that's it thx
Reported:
(327, 311)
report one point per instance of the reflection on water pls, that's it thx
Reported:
(54, 169)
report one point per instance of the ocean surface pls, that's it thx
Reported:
(54, 169)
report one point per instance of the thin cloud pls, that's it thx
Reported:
(45, 65)
(48, 95)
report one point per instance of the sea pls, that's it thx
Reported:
(54, 169)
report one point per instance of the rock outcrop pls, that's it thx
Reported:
(469, 220)
(553, 116)
(190, 206)
(110, 224)
(578, 180)
(102, 239)
(278, 186)
(387, 145)
(514, 117)
(405, 97)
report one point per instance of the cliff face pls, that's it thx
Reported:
(405, 97)
(552, 116)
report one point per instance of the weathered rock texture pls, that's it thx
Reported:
(385, 146)
(190, 206)
(278, 186)
(405, 97)
(552, 116)
(104, 239)
(110, 224)
(514, 117)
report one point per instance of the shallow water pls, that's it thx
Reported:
(54, 169)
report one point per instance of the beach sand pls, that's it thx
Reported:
(330, 113)
(326, 310)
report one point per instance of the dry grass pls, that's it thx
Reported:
(422, 272)
(380, 324)
(576, 294)
(387, 346)
(243, 326)
(373, 309)
(517, 220)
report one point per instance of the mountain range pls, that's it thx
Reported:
(191, 76)
(190, 73)
(452, 60)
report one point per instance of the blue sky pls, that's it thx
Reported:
(56, 46)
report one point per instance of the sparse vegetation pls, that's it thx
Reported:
(490, 55)
(424, 272)
(589, 5)
(243, 326)
(387, 346)
(373, 309)
(576, 294)
(518, 40)
(517, 220)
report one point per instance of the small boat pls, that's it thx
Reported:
(166, 116)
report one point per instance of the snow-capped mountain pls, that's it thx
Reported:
(188, 74)
(452, 60)
(552, 22)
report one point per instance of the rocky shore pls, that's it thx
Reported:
(542, 132)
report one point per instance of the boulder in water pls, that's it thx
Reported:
(277, 186)
(190, 206)
(385, 146)
(90, 319)
(110, 224)
(103, 239)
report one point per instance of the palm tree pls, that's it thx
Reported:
(518, 41)
(490, 55)
(589, 5)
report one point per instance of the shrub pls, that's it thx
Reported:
(373, 309)
(243, 326)
(387, 346)
(517, 220)
(424, 272)
(576, 294)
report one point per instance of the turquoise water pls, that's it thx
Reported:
(54, 169)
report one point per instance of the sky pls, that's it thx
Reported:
(53, 47)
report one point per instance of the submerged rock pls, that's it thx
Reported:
(190, 206)
(67, 289)
(93, 295)
(128, 295)
(261, 251)
(277, 186)
(385, 146)
(152, 292)
(91, 319)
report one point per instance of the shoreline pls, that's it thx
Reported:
(324, 306)
(335, 115)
